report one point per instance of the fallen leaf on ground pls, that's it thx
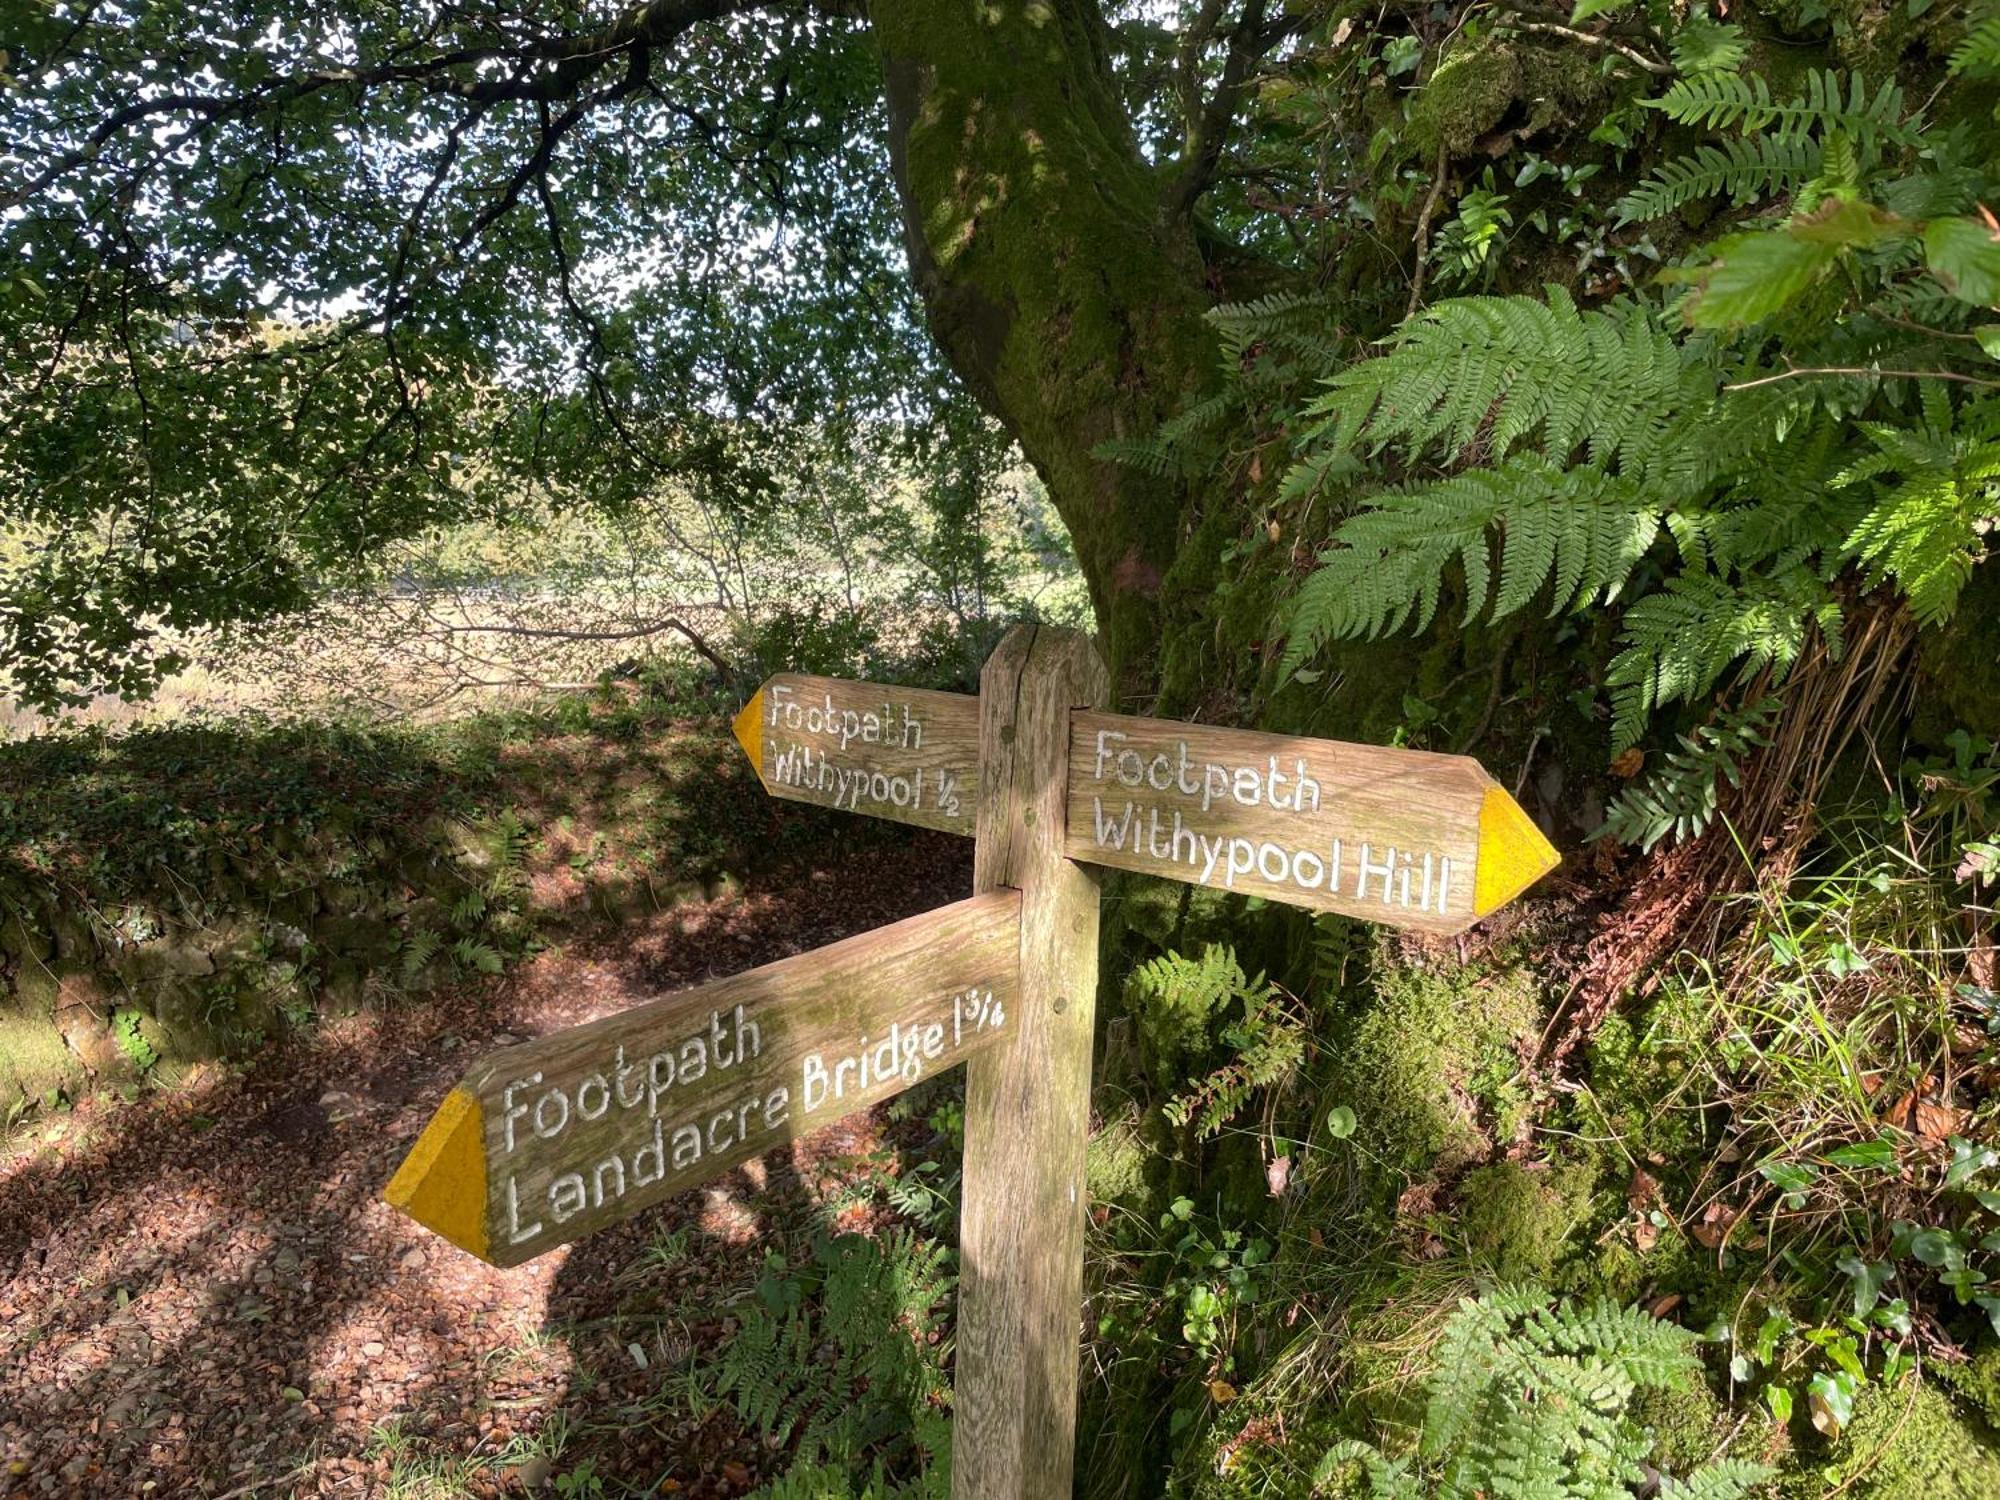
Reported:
(1643, 1191)
(1713, 1227)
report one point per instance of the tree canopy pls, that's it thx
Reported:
(279, 286)
(282, 286)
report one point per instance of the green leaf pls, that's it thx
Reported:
(1340, 1122)
(1936, 1247)
(1755, 276)
(1968, 1159)
(1832, 1399)
(1850, 224)
(1964, 254)
(1988, 335)
(1789, 1176)
(1779, 1399)
(1585, 9)
(1877, 1155)
(1869, 1279)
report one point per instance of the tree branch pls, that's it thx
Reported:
(1208, 128)
(1803, 372)
(660, 626)
(546, 70)
(1571, 34)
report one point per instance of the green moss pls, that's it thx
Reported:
(1464, 98)
(1907, 1444)
(1867, 34)
(1961, 664)
(1688, 1425)
(1517, 1222)
(33, 1057)
(1620, 1271)
(1977, 1382)
(1635, 1073)
(1117, 1165)
(1408, 1066)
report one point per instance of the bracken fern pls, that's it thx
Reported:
(1529, 1397)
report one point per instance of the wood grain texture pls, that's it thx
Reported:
(1027, 1109)
(590, 1125)
(906, 754)
(1402, 837)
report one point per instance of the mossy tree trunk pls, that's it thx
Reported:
(1060, 269)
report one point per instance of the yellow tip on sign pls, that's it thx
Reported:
(442, 1182)
(748, 727)
(1513, 855)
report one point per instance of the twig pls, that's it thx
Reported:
(1570, 33)
(1799, 371)
(1424, 231)
(535, 632)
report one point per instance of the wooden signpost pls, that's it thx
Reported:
(1397, 836)
(906, 754)
(551, 1139)
(543, 1142)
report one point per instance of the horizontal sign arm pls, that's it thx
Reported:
(1403, 837)
(549, 1140)
(906, 754)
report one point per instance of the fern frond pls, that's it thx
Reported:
(1678, 642)
(1787, 504)
(1642, 1349)
(1529, 1395)
(1680, 798)
(853, 1371)
(1929, 529)
(1499, 371)
(1927, 535)
(1699, 45)
(1241, 324)
(1978, 53)
(1725, 1479)
(1310, 475)
(1153, 455)
(1726, 101)
(1199, 418)
(1581, 529)
(1745, 168)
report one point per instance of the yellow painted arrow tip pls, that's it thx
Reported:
(1513, 855)
(748, 727)
(442, 1182)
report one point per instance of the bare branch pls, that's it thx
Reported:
(661, 626)
(1570, 34)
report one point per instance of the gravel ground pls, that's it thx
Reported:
(201, 1293)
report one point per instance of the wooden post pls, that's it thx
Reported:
(1027, 1104)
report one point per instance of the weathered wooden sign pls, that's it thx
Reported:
(543, 1142)
(1397, 836)
(1404, 837)
(546, 1141)
(906, 754)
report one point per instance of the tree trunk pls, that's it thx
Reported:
(1057, 282)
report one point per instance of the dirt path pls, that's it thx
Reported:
(201, 1294)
